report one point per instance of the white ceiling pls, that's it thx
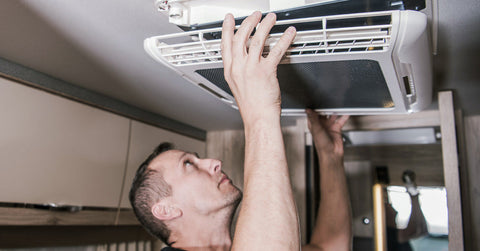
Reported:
(98, 45)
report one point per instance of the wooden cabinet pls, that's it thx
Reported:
(54, 150)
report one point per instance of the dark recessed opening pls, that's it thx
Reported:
(406, 82)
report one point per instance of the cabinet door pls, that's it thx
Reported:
(144, 138)
(54, 150)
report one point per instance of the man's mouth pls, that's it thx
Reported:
(223, 179)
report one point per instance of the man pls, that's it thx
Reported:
(189, 202)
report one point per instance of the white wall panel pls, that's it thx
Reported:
(54, 150)
(144, 138)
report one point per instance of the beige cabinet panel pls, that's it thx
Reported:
(144, 138)
(54, 150)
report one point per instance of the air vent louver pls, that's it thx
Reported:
(346, 34)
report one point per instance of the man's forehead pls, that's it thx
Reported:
(166, 159)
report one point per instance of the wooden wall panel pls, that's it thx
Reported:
(472, 131)
(40, 217)
(360, 183)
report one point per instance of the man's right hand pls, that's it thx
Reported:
(252, 77)
(327, 133)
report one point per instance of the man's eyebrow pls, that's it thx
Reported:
(188, 153)
(182, 156)
(192, 153)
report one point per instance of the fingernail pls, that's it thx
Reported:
(271, 15)
(228, 19)
(291, 29)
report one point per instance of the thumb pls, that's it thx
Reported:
(312, 116)
(312, 120)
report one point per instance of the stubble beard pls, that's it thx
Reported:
(233, 199)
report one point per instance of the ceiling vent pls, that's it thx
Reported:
(362, 63)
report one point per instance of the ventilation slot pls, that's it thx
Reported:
(408, 88)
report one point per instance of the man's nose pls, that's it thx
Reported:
(212, 166)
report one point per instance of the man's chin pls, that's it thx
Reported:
(235, 197)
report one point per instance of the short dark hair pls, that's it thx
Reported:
(148, 187)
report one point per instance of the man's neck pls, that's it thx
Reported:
(204, 233)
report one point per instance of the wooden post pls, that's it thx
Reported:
(451, 170)
(379, 218)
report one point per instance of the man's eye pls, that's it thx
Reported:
(187, 163)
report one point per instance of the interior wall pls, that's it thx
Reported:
(424, 160)
(472, 141)
(360, 183)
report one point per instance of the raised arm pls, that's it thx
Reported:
(268, 218)
(333, 227)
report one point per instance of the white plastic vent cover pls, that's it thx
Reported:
(364, 63)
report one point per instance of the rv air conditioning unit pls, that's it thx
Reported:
(362, 63)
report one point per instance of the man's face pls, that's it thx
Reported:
(198, 185)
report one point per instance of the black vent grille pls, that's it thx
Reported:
(325, 85)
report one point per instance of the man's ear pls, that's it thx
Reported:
(164, 210)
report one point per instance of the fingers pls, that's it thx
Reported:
(243, 33)
(342, 120)
(316, 123)
(226, 46)
(312, 118)
(234, 44)
(282, 45)
(334, 122)
(317, 118)
(258, 41)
